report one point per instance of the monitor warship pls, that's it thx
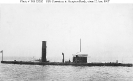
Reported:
(78, 60)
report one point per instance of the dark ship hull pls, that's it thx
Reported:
(72, 64)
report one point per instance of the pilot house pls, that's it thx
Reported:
(80, 58)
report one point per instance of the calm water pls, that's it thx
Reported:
(12, 72)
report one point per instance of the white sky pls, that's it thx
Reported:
(106, 30)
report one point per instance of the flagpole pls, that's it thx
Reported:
(2, 55)
(80, 44)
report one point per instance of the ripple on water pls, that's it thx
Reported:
(11, 72)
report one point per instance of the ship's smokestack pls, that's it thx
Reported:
(44, 51)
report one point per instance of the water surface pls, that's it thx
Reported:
(14, 72)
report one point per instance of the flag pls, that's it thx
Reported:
(1, 51)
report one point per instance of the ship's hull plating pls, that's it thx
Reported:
(73, 64)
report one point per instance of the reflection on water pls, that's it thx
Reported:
(11, 72)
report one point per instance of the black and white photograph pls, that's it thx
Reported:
(66, 41)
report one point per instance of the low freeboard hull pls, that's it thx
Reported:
(60, 63)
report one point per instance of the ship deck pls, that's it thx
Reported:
(72, 64)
